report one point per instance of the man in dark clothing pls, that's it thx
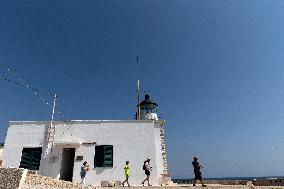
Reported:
(197, 172)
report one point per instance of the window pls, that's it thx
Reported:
(103, 156)
(79, 158)
(31, 158)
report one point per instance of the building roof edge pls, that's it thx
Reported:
(83, 121)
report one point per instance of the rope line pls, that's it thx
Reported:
(24, 84)
(20, 82)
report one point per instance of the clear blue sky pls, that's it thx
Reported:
(214, 67)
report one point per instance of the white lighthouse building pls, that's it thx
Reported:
(58, 149)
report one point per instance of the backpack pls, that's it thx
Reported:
(144, 167)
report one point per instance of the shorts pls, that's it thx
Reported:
(198, 175)
(82, 175)
(147, 172)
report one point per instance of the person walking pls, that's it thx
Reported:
(84, 169)
(147, 168)
(127, 173)
(197, 172)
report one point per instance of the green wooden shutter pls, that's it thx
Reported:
(99, 156)
(103, 156)
(108, 156)
(31, 158)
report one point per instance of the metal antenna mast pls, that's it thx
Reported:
(51, 130)
(138, 97)
(50, 134)
(138, 117)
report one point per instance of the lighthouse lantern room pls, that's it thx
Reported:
(148, 109)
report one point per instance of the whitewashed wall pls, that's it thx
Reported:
(1, 152)
(132, 140)
(19, 135)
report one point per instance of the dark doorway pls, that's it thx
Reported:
(67, 164)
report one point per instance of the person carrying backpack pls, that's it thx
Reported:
(147, 168)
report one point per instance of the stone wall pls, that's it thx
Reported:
(258, 182)
(269, 182)
(33, 181)
(11, 178)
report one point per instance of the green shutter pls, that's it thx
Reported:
(99, 156)
(31, 158)
(108, 156)
(103, 156)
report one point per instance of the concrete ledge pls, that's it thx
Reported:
(22, 181)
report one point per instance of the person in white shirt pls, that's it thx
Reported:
(147, 168)
(84, 169)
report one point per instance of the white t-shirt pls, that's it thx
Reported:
(147, 166)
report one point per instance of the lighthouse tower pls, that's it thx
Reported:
(148, 109)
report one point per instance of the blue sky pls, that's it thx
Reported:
(214, 67)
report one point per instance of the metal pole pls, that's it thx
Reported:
(53, 108)
(52, 128)
(51, 131)
(138, 96)
(138, 93)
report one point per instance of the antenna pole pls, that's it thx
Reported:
(138, 97)
(51, 130)
(53, 108)
(138, 94)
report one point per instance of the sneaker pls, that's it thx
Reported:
(194, 184)
(203, 185)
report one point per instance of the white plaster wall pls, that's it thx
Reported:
(21, 135)
(132, 140)
(49, 167)
(1, 153)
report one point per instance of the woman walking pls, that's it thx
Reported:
(127, 173)
(148, 170)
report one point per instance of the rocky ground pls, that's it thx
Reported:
(33, 181)
(10, 177)
(41, 182)
(14, 178)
